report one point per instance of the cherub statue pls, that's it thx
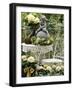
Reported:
(41, 31)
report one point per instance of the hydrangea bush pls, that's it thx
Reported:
(30, 68)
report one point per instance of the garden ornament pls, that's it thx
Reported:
(42, 31)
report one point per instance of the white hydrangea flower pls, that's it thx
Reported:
(30, 18)
(38, 39)
(40, 67)
(54, 66)
(24, 58)
(49, 68)
(48, 41)
(62, 67)
(58, 68)
(45, 65)
(31, 59)
(36, 20)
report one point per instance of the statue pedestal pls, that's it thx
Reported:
(37, 50)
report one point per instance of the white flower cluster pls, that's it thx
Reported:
(51, 67)
(24, 58)
(31, 18)
(29, 59)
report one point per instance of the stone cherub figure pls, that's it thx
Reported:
(42, 31)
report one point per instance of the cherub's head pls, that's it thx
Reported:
(43, 20)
